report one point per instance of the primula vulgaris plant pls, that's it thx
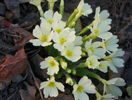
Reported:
(73, 54)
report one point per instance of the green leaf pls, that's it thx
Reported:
(82, 71)
(129, 90)
(52, 51)
(85, 72)
(60, 75)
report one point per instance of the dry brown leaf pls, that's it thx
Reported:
(13, 65)
(12, 42)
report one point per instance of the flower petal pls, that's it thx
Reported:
(48, 14)
(83, 96)
(84, 80)
(35, 42)
(37, 31)
(46, 92)
(90, 89)
(115, 91)
(60, 86)
(117, 81)
(118, 62)
(54, 92)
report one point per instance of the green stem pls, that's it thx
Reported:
(91, 74)
(73, 22)
(62, 7)
(86, 38)
(51, 5)
(89, 37)
(72, 17)
(84, 30)
(40, 10)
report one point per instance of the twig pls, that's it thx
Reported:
(35, 81)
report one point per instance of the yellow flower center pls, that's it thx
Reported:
(102, 98)
(96, 32)
(104, 43)
(69, 53)
(52, 63)
(44, 38)
(58, 30)
(62, 41)
(108, 58)
(80, 88)
(91, 49)
(51, 84)
(50, 21)
(90, 63)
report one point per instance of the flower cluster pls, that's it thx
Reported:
(53, 31)
(76, 50)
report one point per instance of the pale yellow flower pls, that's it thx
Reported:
(43, 35)
(83, 87)
(51, 64)
(84, 8)
(61, 40)
(51, 87)
(92, 62)
(72, 53)
(94, 49)
(114, 60)
(52, 17)
(112, 87)
(97, 27)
